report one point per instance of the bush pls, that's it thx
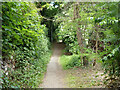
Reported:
(68, 62)
(111, 64)
(25, 45)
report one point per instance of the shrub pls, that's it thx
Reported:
(25, 45)
(68, 62)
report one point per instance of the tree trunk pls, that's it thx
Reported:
(94, 63)
(79, 33)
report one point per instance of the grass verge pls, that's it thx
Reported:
(78, 76)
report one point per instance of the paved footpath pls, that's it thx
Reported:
(54, 77)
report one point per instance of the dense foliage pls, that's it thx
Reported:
(92, 30)
(48, 11)
(25, 46)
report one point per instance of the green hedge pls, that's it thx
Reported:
(25, 45)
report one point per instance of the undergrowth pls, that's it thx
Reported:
(68, 62)
(85, 78)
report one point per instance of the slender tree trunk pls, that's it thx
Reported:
(79, 33)
(74, 11)
(96, 41)
(96, 45)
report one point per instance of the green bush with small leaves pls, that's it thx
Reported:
(25, 45)
(72, 61)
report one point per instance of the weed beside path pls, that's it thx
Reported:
(85, 77)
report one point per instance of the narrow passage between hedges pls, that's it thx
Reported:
(54, 77)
